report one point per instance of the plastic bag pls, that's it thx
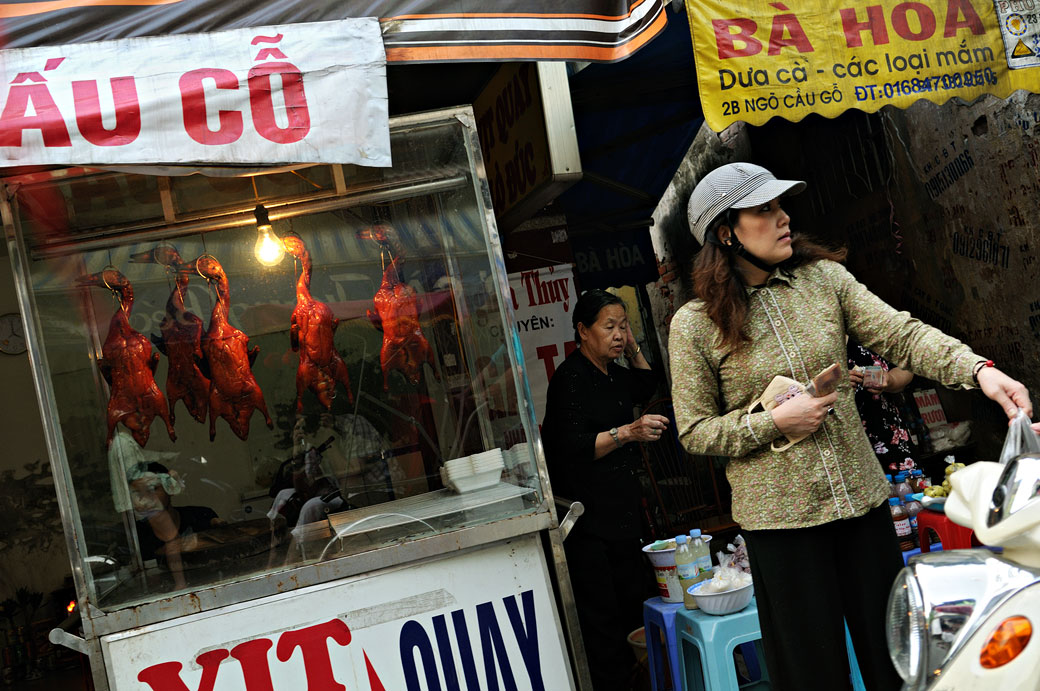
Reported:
(740, 556)
(726, 577)
(1020, 439)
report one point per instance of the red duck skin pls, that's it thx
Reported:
(128, 365)
(405, 348)
(311, 333)
(180, 340)
(234, 392)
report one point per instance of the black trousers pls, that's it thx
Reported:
(610, 584)
(806, 581)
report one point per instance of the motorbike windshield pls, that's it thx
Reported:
(1018, 487)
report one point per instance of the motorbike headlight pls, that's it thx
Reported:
(906, 627)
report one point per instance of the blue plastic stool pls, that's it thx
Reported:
(854, 674)
(658, 617)
(713, 639)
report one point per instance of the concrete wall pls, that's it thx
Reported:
(673, 243)
(969, 199)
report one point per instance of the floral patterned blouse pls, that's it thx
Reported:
(882, 421)
(797, 323)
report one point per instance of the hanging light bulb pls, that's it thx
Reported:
(269, 249)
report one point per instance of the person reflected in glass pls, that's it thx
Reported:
(814, 514)
(591, 437)
(162, 528)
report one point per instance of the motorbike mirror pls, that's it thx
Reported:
(1018, 486)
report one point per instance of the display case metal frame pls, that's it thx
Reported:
(98, 622)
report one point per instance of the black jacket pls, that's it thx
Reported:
(581, 403)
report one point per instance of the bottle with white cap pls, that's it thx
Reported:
(702, 554)
(685, 567)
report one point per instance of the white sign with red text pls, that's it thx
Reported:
(295, 93)
(543, 300)
(480, 620)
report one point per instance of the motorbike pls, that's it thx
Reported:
(963, 619)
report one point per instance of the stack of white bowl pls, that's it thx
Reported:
(517, 455)
(473, 472)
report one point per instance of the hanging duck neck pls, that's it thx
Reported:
(175, 303)
(222, 305)
(125, 296)
(303, 283)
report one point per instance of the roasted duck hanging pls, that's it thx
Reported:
(181, 339)
(312, 328)
(128, 365)
(233, 391)
(397, 314)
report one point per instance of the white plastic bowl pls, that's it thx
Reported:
(726, 602)
(457, 464)
(476, 481)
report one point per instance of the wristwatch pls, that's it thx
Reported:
(614, 435)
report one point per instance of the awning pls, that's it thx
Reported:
(413, 30)
(759, 60)
(635, 120)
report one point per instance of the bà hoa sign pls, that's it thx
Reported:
(297, 93)
(791, 58)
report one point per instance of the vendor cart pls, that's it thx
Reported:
(312, 535)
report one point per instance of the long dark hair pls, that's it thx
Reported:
(586, 310)
(719, 284)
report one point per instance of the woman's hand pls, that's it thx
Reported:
(630, 340)
(1008, 393)
(803, 414)
(647, 428)
(878, 387)
(856, 376)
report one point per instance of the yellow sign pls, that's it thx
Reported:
(757, 60)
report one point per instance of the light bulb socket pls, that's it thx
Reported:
(260, 212)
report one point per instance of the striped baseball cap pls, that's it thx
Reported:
(734, 186)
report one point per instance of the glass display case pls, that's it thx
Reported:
(228, 399)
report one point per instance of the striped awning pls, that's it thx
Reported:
(413, 30)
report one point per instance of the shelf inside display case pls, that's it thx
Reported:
(209, 403)
(412, 516)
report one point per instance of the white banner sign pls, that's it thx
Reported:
(543, 300)
(479, 620)
(295, 93)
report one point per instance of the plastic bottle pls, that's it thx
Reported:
(891, 486)
(902, 488)
(912, 478)
(914, 507)
(701, 554)
(902, 522)
(686, 568)
(923, 480)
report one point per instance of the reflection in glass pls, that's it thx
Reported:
(354, 456)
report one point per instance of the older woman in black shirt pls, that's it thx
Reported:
(589, 436)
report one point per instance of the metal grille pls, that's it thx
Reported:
(690, 490)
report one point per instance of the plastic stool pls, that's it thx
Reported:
(658, 617)
(714, 638)
(951, 535)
